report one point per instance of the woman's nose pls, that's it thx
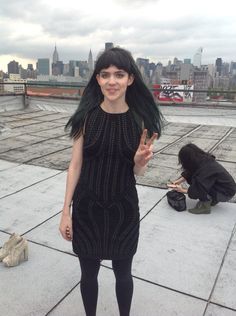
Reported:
(112, 80)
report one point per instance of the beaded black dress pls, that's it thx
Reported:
(105, 213)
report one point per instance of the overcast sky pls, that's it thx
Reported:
(156, 29)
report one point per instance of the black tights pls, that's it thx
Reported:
(89, 284)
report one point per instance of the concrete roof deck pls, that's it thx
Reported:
(185, 264)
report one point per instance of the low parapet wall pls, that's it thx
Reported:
(20, 102)
(53, 104)
(11, 103)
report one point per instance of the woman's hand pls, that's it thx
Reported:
(145, 150)
(178, 181)
(179, 188)
(66, 227)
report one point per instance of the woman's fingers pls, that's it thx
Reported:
(143, 137)
(66, 233)
(145, 156)
(69, 233)
(151, 140)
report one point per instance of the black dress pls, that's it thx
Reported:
(105, 203)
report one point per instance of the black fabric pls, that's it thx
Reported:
(210, 179)
(177, 200)
(105, 204)
(89, 284)
(124, 284)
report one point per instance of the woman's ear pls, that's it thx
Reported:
(131, 80)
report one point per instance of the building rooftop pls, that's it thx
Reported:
(185, 264)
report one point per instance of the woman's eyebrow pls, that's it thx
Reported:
(115, 72)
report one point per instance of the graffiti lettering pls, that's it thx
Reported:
(169, 93)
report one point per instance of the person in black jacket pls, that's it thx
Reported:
(209, 181)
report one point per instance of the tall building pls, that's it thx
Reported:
(13, 67)
(55, 57)
(43, 66)
(186, 72)
(200, 80)
(108, 45)
(31, 73)
(233, 68)
(90, 62)
(30, 67)
(219, 65)
(187, 61)
(143, 65)
(197, 58)
(57, 66)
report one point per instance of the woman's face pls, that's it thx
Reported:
(113, 83)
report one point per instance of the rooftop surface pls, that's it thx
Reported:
(185, 264)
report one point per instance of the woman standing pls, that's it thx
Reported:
(113, 131)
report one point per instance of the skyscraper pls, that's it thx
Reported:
(219, 65)
(197, 58)
(43, 67)
(57, 65)
(55, 57)
(108, 45)
(187, 60)
(13, 67)
(90, 62)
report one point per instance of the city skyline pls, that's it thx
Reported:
(153, 29)
(34, 61)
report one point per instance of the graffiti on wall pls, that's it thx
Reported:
(169, 94)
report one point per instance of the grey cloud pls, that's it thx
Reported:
(178, 37)
(25, 9)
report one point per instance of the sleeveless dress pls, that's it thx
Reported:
(105, 213)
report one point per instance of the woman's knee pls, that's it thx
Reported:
(122, 269)
(89, 268)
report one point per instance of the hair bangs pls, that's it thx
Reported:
(114, 57)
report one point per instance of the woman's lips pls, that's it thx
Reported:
(111, 90)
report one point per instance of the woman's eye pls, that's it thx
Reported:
(119, 75)
(104, 75)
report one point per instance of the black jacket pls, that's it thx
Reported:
(209, 178)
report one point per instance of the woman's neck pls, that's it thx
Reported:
(114, 107)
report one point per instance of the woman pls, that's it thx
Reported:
(209, 181)
(116, 115)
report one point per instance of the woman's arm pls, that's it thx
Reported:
(144, 153)
(73, 175)
(179, 188)
(178, 181)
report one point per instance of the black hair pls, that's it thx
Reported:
(191, 157)
(138, 97)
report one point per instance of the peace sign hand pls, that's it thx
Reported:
(145, 150)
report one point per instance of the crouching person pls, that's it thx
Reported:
(209, 181)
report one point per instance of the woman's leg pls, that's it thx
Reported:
(89, 284)
(124, 284)
(219, 197)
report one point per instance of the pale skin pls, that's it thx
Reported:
(176, 185)
(113, 83)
